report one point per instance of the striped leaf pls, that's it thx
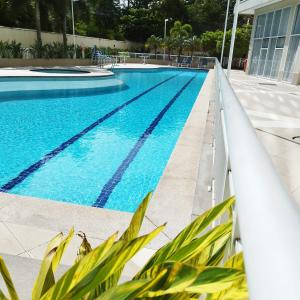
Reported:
(51, 260)
(213, 254)
(188, 234)
(80, 269)
(239, 290)
(193, 249)
(8, 282)
(2, 296)
(80, 279)
(182, 279)
(129, 234)
(137, 220)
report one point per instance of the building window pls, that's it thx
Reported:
(293, 49)
(269, 39)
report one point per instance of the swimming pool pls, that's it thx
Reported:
(99, 148)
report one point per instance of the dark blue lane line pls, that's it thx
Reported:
(116, 178)
(25, 173)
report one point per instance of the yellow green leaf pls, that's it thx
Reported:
(129, 234)
(239, 290)
(136, 221)
(76, 283)
(188, 234)
(80, 269)
(8, 282)
(51, 260)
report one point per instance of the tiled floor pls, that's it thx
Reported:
(274, 110)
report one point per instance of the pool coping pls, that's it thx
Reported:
(172, 201)
(31, 72)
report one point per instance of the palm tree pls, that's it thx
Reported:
(192, 44)
(38, 22)
(169, 44)
(180, 33)
(153, 42)
(60, 8)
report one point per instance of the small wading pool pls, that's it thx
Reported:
(60, 71)
(102, 148)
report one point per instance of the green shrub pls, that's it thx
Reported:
(10, 50)
(190, 266)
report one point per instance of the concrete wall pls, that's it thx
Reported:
(19, 62)
(28, 36)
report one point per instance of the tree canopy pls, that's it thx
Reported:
(119, 19)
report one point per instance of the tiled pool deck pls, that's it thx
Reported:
(27, 224)
(274, 110)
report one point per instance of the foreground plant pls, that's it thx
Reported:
(188, 267)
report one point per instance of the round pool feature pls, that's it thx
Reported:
(60, 71)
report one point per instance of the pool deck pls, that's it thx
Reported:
(92, 71)
(274, 110)
(27, 224)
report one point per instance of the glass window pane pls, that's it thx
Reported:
(260, 26)
(276, 22)
(296, 29)
(276, 63)
(289, 66)
(265, 43)
(268, 24)
(262, 61)
(280, 42)
(255, 56)
(270, 56)
(284, 21)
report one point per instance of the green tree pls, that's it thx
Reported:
(180, 33)
(61, 8)
(211, 42)
(140, 23)
(169, 45)
(175, 9)
(192, 44)
(208, 15)
(153, 42)
(38, 26)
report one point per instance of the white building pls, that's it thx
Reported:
(274, 48)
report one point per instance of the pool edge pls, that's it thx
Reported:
(172, 200)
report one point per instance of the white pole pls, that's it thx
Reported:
(225, 30)
(165, 35)
(73, 23)
(236, 15)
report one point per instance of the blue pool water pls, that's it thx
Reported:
(103, 148)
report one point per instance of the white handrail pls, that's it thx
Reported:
(269, 219)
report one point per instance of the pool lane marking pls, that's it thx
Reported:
(34, 167)
(116, 178)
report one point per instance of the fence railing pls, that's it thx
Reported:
(269, 220)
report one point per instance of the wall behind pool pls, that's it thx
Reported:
(27, 38)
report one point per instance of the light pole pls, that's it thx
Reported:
(233, 32)
(73, 24)
(225, 30)
(165, 35)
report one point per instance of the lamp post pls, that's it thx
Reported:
(225, 30)
(233, 32)
(165, 35)
(73, 24)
